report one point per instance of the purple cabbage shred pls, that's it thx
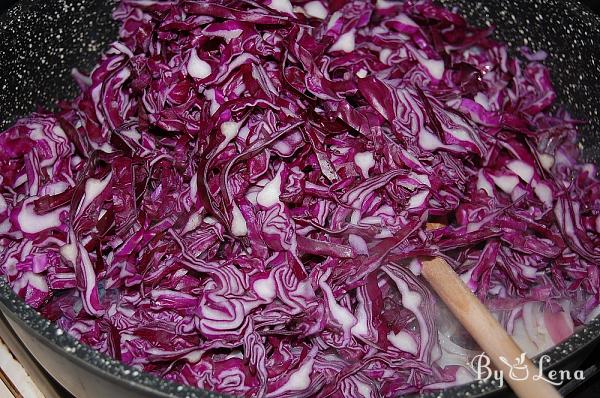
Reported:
(237, 200)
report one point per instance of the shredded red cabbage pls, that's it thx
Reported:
(237, 199)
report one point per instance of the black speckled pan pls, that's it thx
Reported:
(40, 41)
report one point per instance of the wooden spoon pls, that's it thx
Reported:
(484, 328)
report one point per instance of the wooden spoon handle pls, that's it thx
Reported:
(484, 329)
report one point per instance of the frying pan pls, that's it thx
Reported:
(41, 41)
